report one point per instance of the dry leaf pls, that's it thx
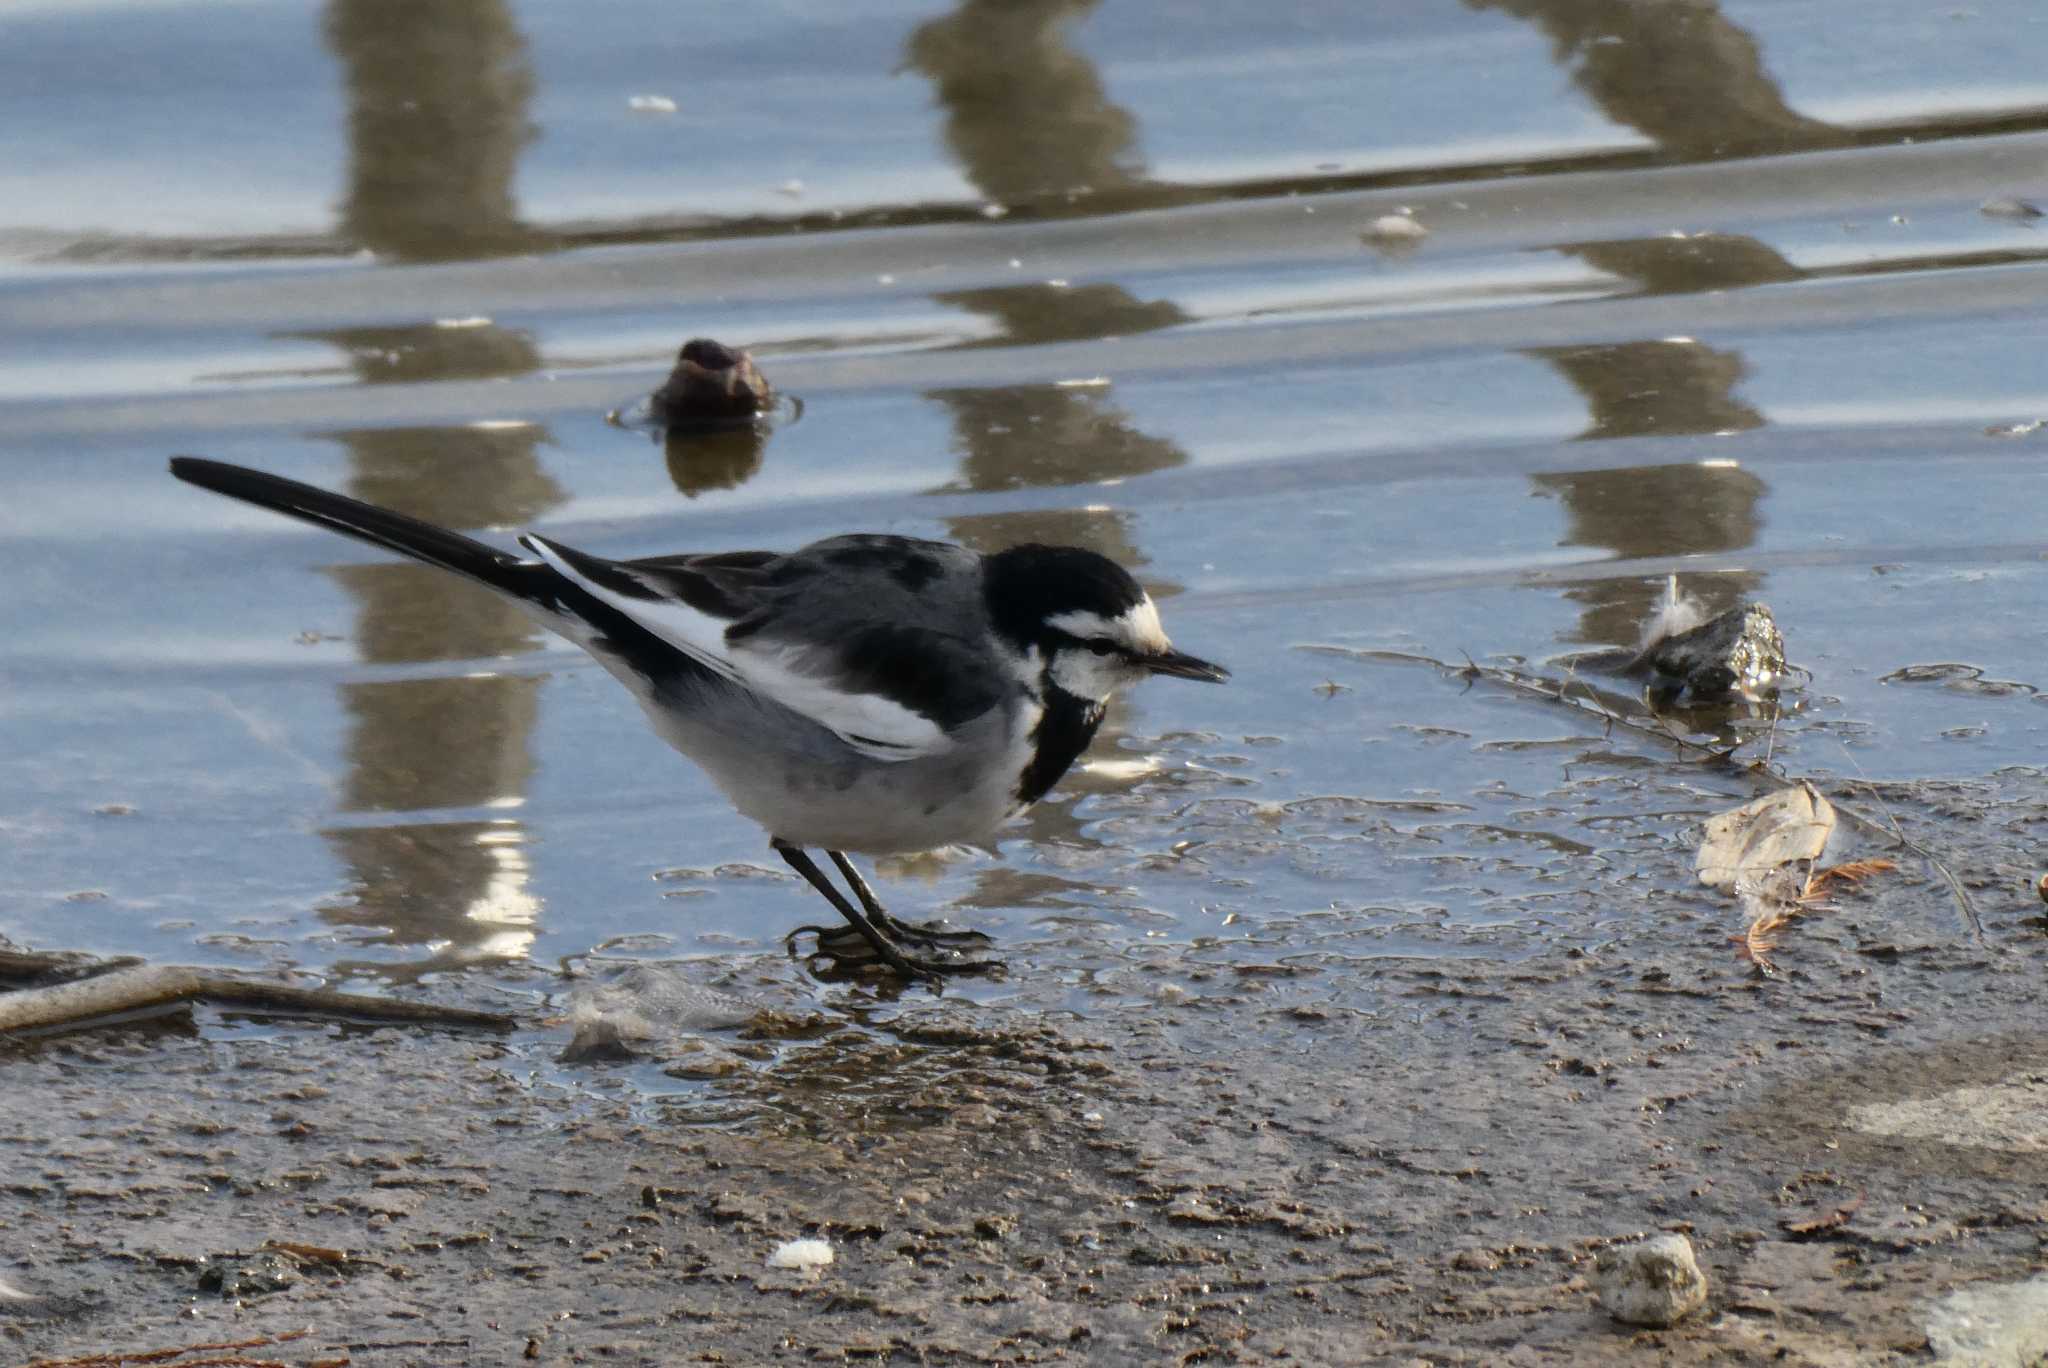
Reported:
(1792, 824)
(1827, 1220)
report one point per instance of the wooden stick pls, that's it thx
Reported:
(138, 988)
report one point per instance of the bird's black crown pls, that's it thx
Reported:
(1026, 585)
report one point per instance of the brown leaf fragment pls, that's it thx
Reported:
(1851, 872)
(1825, 1221)
(309, 1253)
(1776, 830)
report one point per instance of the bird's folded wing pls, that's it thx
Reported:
(666, 602)
(892, 691)
(889, 690)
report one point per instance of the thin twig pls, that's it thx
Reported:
(135, 989)
(1536, 689)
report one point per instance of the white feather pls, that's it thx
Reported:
(877, 727)
(697, 635)
(1677, 613)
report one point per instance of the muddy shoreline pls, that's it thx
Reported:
(1414, 1161)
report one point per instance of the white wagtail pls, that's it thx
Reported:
(869, 693)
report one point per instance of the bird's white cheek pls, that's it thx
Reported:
(1087, 675)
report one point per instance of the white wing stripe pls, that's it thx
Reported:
(877, 727)
(681, 626)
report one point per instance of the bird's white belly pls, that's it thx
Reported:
(849, 802)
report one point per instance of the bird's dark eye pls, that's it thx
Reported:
(1101, 645)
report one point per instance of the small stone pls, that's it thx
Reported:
(1654, 1282)
(256, 1276)
(1395, 231)
(808, 1255)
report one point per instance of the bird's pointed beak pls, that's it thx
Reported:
(1181, 665)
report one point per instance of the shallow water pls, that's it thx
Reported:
(1707, 289)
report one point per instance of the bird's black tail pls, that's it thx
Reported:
(365, 522)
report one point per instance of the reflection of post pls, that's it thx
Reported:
(1046, 436)
(1037, 436)
(1656, 388)
(437, 119)
(1660, 388)
(430, 743)
(1661, 511)
(1026, 114)
(457, 349)
(1688, 263)
(1679, 72)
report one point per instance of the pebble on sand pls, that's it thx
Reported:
(1395, 230)
(1654, 1282)
(802, 1254)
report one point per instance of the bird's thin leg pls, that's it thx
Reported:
(883, 948)
(929, 934)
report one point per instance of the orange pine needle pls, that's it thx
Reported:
(1854, 871)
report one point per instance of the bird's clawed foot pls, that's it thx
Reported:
(846, 951)
(872, 940)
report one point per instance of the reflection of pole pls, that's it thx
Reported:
(439, 743)
(1044, 436)
(1029, 120)
(1688, 263)
(437, 118)
(1679, 72)
(1661, 388)
(1026, 115)
(1670, 510)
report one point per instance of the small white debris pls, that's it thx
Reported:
(993, 210)
(1395, 231)
(803, 1255)
(1122, 770)
(473, 321)
(885, 280)
(791, 187)
(1652, 1282)
(651, 104)
(2010, 207)
(1677, 613)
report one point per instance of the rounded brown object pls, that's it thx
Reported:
(712, 385)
